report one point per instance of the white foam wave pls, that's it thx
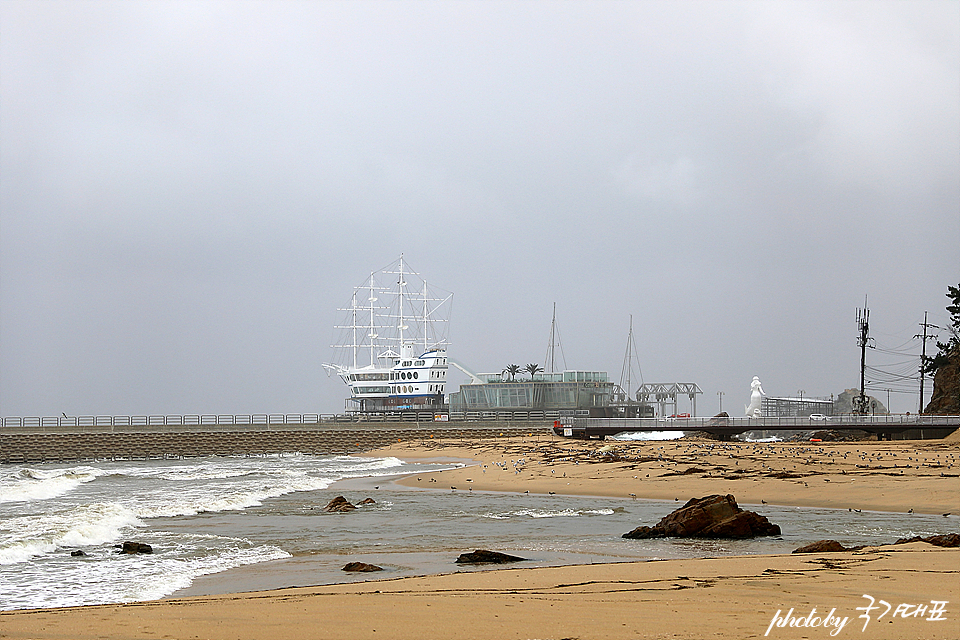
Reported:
(28, 484)
(649, 435)
(105, 577)
(191, 501)
(546, 513)
(30, 536)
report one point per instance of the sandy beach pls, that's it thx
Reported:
(879, 476)
(784, 596)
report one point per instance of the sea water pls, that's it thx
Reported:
(225, 524)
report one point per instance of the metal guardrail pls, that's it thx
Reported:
(260, 420)
(190, 420)
(907, 421)
(319, 419)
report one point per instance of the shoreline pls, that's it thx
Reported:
(623, 599)
(922, 476)
(738, 596)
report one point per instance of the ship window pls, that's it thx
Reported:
(415, 375)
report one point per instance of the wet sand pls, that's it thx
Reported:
(731, 597)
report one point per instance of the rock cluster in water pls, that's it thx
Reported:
(361, 567)
(713, 516)
(342, 505)
(482, 556)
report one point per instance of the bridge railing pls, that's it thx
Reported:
(755, 424)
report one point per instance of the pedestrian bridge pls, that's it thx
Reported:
(884, 426)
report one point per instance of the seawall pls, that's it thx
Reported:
(46, 445)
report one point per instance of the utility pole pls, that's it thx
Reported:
(863, 322)
(923, 354)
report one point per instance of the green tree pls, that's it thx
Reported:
(952, 345)
(533, 369)
(512, 370)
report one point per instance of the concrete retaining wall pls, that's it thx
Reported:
(77, 446)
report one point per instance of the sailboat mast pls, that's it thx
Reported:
(629, 353)
(550, 347)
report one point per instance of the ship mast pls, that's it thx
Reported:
(425, 316)
(372, 331)
(400, 290)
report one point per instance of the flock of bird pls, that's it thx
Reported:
(804, 460)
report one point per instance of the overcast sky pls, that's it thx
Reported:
(189, 190)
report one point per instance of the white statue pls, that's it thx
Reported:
(756, 397)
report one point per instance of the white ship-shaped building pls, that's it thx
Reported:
(393, 343)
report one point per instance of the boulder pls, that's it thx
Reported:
(361, 566)
(367, 501)
(713, 516)
(78, 553)
(339, 505)
(946, 540)
(135, 547)
(482, 556)
(821, 546)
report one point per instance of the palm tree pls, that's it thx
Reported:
(513, 370)
(533, 369)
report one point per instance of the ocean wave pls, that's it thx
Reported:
(211, 499)
(29, 536)
(547, 513)
(26, 484)
(105, 576)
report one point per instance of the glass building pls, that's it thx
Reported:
(584, 390)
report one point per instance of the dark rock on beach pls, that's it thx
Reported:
(821, 546)
(946, 540)
(339, 505)
(709, 517)
(361, 566)
(482, 556)
(367, 501)
(135, 547)
(78, 553)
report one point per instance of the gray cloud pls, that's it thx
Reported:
(188, 190)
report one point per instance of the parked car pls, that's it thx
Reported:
(817, 416)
